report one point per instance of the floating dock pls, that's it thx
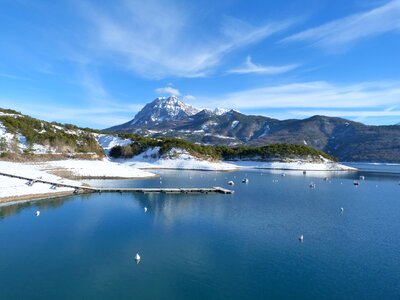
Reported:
(215, 189)
(78, 188)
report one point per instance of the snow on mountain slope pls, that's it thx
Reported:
(234, 124)
(219, 111)
(164, 109)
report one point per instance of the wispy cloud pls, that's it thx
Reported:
(156, 39)
(189, 98)
(168, 90)
(92, 116)
(347, 30)
(377, 116)
(315, 94)
(249, 67)
(11, 76)
(359, 114)
(93, 86)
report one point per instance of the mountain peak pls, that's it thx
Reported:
(164, 109)
(220, 111)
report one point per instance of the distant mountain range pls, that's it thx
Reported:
(347, 140)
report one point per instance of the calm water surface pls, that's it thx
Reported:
(241, 246)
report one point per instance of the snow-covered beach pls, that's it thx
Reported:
(14, 189)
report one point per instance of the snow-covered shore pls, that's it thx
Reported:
(58, 171)
(92, 169)
(181, 160)
(184, 164)
(295, 165)
(13, 189)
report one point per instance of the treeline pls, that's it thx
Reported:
(64, 138)
(9, 111)
(268, 152)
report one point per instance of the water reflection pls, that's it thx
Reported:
(172, 206)
(9, 209)
(196, 246)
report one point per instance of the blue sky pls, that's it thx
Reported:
(96, 63)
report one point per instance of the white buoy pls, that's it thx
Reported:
(245, 180)
(137, 257)
(145, 209)
(342, 209)
(37, 213)
(301, 238)
(231, 182)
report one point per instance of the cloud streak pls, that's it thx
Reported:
(168, 90)
(314, 94)
(346, 114)
(156, 43)
(97, 117)
(355, 27)
(251, 68)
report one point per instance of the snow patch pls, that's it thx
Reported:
(219, 111)
(266, 130)
(109, 141)
(234, 124)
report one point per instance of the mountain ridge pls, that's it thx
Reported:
(348, 140)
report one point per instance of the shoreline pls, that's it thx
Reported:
(227, 166)
(18, 189)
(108, 177)
(232, 170)
(5, 201)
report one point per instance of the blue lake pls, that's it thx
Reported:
(240, 246)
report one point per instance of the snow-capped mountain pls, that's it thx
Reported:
(163, 109)
(345, 139)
